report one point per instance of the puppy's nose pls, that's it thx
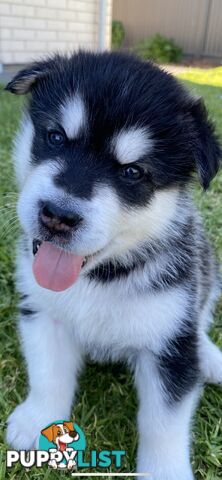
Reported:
(58, 219)
(73, 433)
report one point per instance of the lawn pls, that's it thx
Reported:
(106, 406)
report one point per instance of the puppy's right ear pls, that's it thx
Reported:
(24, 80)
(48, 432)
(205, 148)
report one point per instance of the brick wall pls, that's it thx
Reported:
(32, 28)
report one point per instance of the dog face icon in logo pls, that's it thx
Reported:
(63, 440)
(61, 434)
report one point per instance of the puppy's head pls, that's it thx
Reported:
(61, 434)
(104, 146)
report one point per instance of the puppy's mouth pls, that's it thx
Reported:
(62, 446)
(55, 268)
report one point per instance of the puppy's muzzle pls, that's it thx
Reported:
(57, 219)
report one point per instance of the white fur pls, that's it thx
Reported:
(210, 355)
(22, 149)
(211, 360)
(131, 144)
(50, 373)
(73, 116)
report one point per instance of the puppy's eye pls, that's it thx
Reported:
(132, 172)
(56, 138)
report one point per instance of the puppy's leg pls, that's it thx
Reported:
(163, 424)
(210, 360)
(53, 361)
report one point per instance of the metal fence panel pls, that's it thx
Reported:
(213, 42)
(196, 25)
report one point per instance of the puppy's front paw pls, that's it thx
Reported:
(21, 429)
(25, 425)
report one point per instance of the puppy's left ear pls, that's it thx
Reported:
(69, 425)
(205, 145)
(24, 81)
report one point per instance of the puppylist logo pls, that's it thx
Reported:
(62, 446)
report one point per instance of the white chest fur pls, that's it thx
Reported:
(106, 317)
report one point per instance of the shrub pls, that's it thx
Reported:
(118, 34)
(159, 49)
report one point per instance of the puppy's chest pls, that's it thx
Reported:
(109, 318)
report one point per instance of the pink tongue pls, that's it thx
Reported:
(62, 446)
(54, 268)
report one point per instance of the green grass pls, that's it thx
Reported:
(106, 405)
(211, 76)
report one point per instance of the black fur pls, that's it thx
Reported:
(27, 311)
(178, 365)
(107, 272)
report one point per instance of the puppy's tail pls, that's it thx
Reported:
(210, 358)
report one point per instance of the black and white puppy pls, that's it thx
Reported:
(114, 262)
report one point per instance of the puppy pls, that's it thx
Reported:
(61, 434)
(113, 261)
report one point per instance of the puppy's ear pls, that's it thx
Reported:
(24, 80)
(205, 145)
(48, 432)
(69, 425)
